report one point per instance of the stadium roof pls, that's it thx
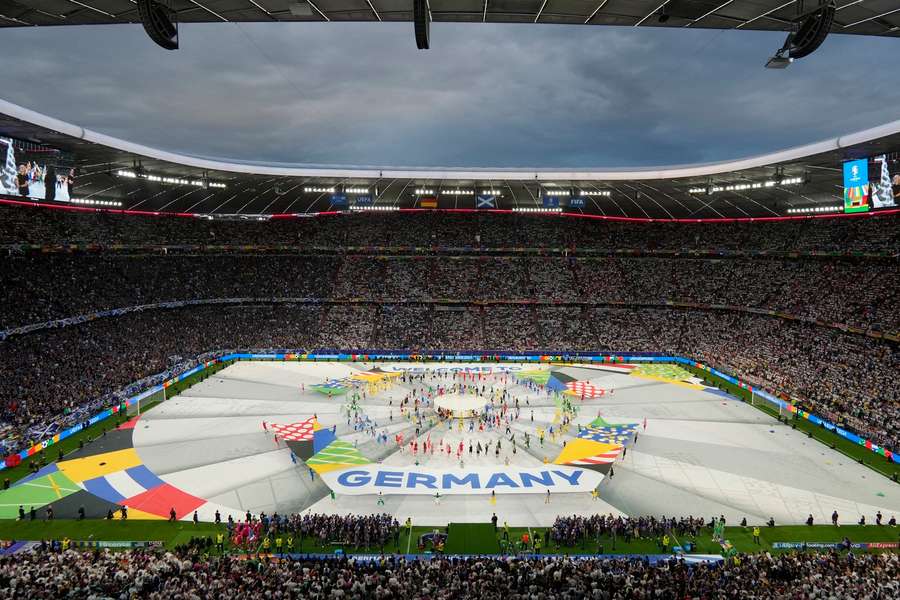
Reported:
(863, 17)
(774, 184)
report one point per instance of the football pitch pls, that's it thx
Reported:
(444, 443)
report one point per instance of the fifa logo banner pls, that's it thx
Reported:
(372, 479)
(856, 185)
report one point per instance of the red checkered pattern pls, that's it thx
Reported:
(599, 459)
(294, 432)
(585, 388)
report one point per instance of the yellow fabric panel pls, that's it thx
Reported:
(320, 468)
(81, 469)
(578, 449)
(691, 386)
(140, 515)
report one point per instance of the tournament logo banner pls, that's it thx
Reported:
(856, 185)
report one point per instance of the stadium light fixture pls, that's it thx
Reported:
(491, 193)
(170, 180)
(537, 209)
(89, 202)
(382, 208)
(814, 209)
(356, 190)
(556, 192)
(318, 190)
(457, 192)
(595, 192)
(424, 192)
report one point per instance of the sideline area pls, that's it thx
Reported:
(179, 533)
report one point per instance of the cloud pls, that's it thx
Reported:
(484, 95)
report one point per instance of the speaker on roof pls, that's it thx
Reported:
(812, 32)
(421, 23)
(809, 34)
(160, 23)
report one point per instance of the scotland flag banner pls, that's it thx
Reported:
(486, 202)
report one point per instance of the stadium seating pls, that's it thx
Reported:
(709, 291)
(186, 573)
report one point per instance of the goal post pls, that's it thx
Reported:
(775, 409)
(784, 411)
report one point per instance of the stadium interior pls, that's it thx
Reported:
(227, 379)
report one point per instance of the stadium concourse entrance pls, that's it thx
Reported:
(462, 443)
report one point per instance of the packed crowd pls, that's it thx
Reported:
(321, 296)
(20, 226)
(360, 531)
(858, 293)
(41, 287)
(569, 531)
(847, 377)
(189, 576)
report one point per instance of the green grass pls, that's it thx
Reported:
(471, 538)
(856, 452)
(464, 539)
(169, 533)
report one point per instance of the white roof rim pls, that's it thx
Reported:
(512, 174)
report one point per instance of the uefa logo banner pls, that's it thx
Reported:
(856, 185)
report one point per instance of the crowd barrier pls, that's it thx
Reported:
(448, 356)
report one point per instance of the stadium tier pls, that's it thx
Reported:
(185, 574)
(762, 300)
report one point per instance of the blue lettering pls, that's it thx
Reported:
(572, 477)
(451, 480)
(500, 479)
(389, 479)
(528, 479)
(354, 478)
(425, 479)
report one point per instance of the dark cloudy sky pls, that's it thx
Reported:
(484, 95)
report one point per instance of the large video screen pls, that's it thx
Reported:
(856, 185)
(884, 189)
(38, 174)
(871, 183)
